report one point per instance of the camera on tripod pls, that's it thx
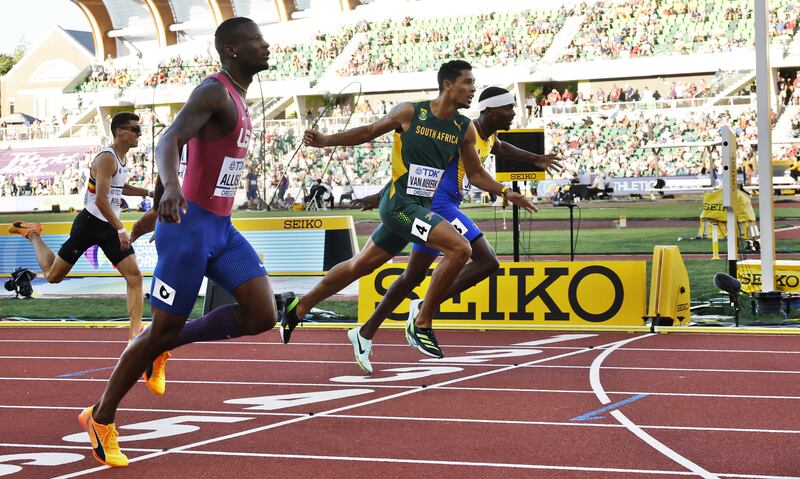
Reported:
(20, 282)
(563, 197)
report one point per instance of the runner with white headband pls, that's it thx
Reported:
(497, 112)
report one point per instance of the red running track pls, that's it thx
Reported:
(500, 405)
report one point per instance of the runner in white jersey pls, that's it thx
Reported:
(118, 181)
(98, 223)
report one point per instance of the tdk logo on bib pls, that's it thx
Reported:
(423, 180)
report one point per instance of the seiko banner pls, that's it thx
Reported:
(602, 293)
(294, 246)
(787, 275)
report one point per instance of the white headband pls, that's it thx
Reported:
(496, 101)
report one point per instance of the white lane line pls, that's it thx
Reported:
(597, 387)
(386, 460)
(67, 447)
(326, 413)
(687, 370)
(420, 419)
(448, 388)
(442, 463)
(484, 365)
(525, 345)
(218, 383)
(405, 346)
(481, 464)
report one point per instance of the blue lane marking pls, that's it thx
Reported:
(81, 373)
(590, 416)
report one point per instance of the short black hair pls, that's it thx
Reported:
(122, 119)
(226, 33)
(492, 91)
(450, 71)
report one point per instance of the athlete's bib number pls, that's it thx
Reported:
(465, 185)
(459, 226)
(229, 174)
(115, 197)
(423, 180)
(420, 229)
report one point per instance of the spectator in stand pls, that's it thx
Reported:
(251, 185)
(553, 97)
(316, 193)
(530, 101)
(598, 187)
(614, 94)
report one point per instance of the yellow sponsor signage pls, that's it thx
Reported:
(293, 223)
(609, 293)
(787, 275)
(521, 176)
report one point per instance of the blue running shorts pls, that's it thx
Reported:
(202, 244)
(460, 221)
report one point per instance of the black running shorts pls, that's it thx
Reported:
(88, 230)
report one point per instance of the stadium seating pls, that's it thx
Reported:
(596, 130)
(616, 29)
(614, 144)
(420, 44)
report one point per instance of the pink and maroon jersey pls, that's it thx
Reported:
(213, 167)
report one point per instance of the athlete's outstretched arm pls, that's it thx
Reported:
(208, 99)
(481, 178)
(548, 162)
(130, 190)
(397, 119)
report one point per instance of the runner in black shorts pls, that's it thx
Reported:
(427, 135)
(98, 223)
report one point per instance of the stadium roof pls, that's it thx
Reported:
(83, 38)
(125, 23)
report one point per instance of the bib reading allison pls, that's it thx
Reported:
(229, 175)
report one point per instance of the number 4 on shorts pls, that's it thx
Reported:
(420, 229)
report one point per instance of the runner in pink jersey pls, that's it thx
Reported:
(195, 236)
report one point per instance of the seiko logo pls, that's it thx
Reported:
(781, 279)
(527, 293)
(523, 176)
(302, 224)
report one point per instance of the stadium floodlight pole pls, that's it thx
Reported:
(263, 149)
(764, 126)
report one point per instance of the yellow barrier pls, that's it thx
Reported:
(669, 288)
(787, 275)
(531, 295)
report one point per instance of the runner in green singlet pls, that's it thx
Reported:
(427, 135)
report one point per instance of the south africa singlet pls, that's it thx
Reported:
(419, 157)
(421, 154)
